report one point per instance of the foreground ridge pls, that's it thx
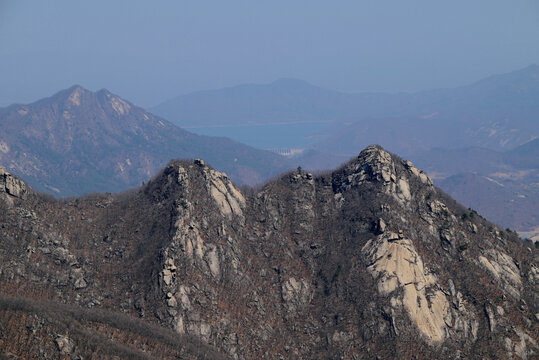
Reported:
(368, 261)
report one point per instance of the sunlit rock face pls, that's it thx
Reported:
(397, 266)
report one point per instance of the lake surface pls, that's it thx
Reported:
(294, 136)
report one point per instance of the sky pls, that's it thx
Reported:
(151, 51)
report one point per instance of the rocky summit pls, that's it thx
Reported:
(370, 261)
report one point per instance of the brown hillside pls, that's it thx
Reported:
(370, 261)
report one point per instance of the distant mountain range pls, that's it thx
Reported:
(499, 113)
(78, 141)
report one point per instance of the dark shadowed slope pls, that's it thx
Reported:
(79, 141)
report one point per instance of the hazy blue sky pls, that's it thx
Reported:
(149, 51)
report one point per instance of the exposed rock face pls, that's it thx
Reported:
(295, 294)
(504, 270)
(397, 266)
(370, 261)
(65, 345)
(520, 347)
(227, 197)
(12, 185)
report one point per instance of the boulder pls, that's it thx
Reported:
(64, 344)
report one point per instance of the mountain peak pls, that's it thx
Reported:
(75, 96)
(71, 95)
(376, 165)
(76, 89)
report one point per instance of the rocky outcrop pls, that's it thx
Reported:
(12, 185)
(400, 273)
(227, 197)
(503, 268)
(203, 250)
(374, 164)
(65, 345)
(521, 346)
(295, 294)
